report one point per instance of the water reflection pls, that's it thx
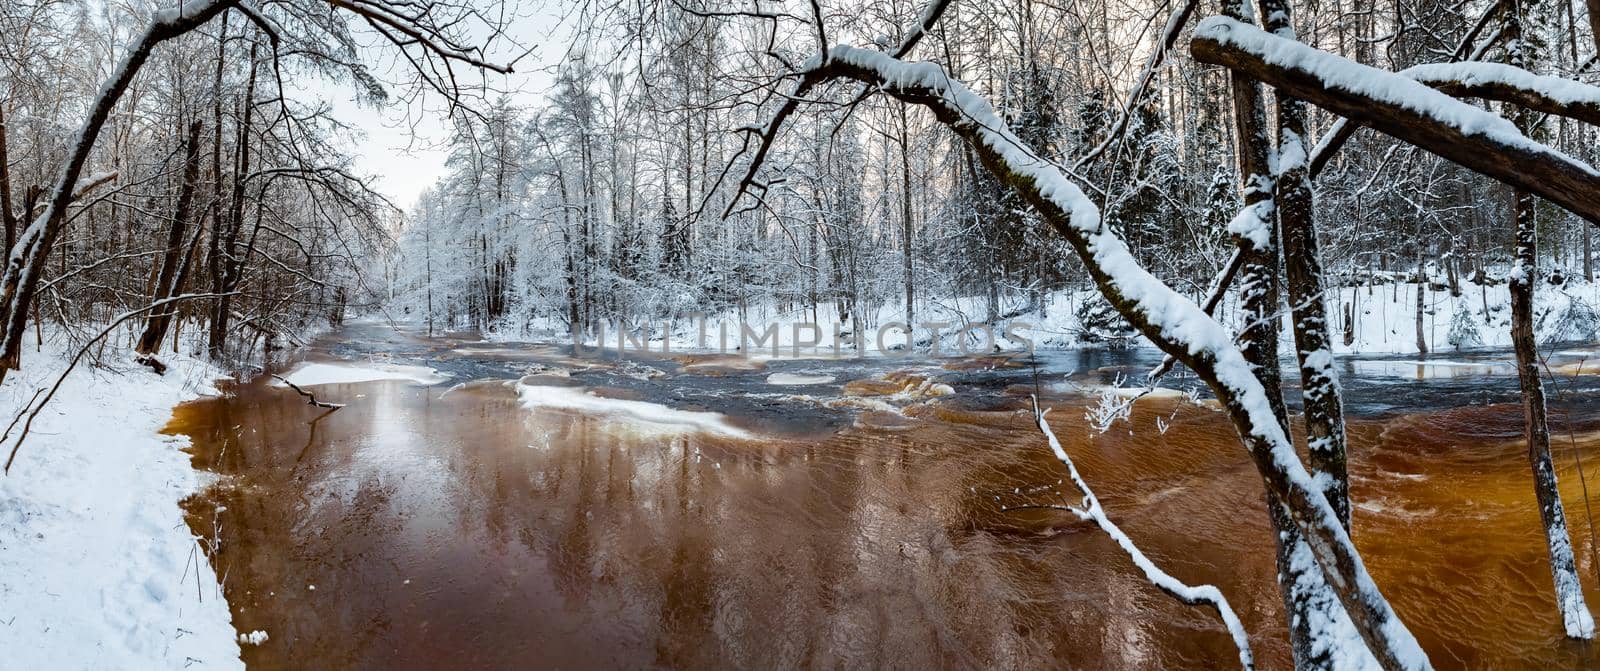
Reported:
(415, 529)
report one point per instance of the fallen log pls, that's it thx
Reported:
(151, 361)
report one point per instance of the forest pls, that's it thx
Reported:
(1249, 191)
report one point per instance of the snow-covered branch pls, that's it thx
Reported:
(1193, 595)
(1506, 83)
(1404, 108)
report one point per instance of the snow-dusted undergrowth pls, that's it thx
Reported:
(97, 568)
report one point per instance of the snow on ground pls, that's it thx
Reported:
(97, 568)
(1384, 317)
(636, 414)
(310, 374)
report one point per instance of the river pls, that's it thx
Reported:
(835, 524)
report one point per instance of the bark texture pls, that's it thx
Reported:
(1320, 394)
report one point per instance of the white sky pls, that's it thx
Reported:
(404, 148)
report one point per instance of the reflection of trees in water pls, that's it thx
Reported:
(889, 546)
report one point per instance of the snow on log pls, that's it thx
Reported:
(1404, 108)
(1506, 83)
(1490, 81)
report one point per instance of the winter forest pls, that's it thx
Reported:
(776, 334)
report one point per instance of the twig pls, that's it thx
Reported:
(311, 399)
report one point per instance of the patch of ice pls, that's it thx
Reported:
(256, 637)
(1137, 392)
(639, 412)
(316, 373)
(798, 379)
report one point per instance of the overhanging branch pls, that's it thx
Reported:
(1403, 108)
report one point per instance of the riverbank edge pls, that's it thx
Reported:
(98, 568)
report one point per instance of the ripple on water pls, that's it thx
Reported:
(915, 536)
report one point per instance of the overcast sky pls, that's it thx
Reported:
(405, 148)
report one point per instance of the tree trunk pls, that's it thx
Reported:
(8, 216)
(155, 328)
(1588, 254)
(905, 220)
(1305, 594)
(1422, 290)
(1575, 614)
(25, 265)
(1320, 394)
(1575, 617)
(232, 262)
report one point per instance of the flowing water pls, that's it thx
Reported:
(874, 520)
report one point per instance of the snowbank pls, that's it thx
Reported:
(1384, 323)
(1385, 316)
(310, 374)
(97, 568)
(642, 414)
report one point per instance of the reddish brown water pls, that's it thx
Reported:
(414, 531)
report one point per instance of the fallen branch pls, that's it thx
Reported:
(311, 399)
(1193, 595)
(151, 361)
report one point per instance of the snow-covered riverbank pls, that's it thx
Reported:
(97, 568)
(1381, 319)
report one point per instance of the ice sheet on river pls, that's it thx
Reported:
(314, 373)
(798, 379)
(642, 414)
